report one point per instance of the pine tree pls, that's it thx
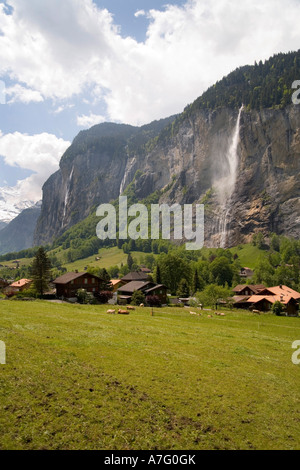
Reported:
(130, 261)
(106, 284)
(40, 271)
(197, 286)
(158, 275)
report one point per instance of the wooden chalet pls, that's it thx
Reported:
(135, 276)
(148, 288)
(247, 290)
(265, 298)
(68, 284)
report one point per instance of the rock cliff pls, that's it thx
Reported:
(188, 160)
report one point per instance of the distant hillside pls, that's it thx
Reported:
(18, 234)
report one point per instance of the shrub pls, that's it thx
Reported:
(104, 296)
(277, 308)
(138, 298)
(84, 297)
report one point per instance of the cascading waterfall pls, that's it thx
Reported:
(229, 181)
(67, 195)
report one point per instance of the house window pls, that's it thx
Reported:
(85, 281)
(93, 280)
(72, 282)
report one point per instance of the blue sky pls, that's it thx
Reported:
(70, 64)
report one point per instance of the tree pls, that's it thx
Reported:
(40, 271)
(212, 293)
(221, 271)
(183, 289)
(173, 268)
(106, 284)
(277, 308)
(130, 261)
(158, 275)
(138, 298)
(198, 283)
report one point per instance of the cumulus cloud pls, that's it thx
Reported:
(187, 49)
(39, 153)
(21, 94)
(89, 120)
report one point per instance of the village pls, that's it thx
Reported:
(138, 288)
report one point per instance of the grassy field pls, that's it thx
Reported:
(77, 378)
(108, 257)
(249, 256)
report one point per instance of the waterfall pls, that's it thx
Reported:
(228, 182)
(128, 170)
(67, 195)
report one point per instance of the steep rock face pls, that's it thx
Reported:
(189, 162)
(266, 195)
(91, 173)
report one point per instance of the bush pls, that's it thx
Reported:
(277, 308)
(104, 296)
(138, 298)
(84, 297)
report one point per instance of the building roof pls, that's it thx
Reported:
(158, 286)
(135, 276)
(115, 282)
(254, 299)
(281, 291)
(69, 277)
(21, 283)
(255, 288)
(240, 298)
(133, 286)
(145, 270)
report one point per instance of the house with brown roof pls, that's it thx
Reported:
(135, 276)
(148, 288)
(68, 284)
(246, 273)
(265, 298)
(251, 289)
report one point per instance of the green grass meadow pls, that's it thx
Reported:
(78, 378)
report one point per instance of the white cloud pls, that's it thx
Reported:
(62, 108)
(187, 49)
(21, 94)
(90, 120)
(140, 13)
(39, 153)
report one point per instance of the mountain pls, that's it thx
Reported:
(18, 234)
(9, 208)
(242, 163)
(2, 225)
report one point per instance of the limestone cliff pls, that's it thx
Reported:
(188, 162)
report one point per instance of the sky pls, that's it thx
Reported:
(66, 65)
